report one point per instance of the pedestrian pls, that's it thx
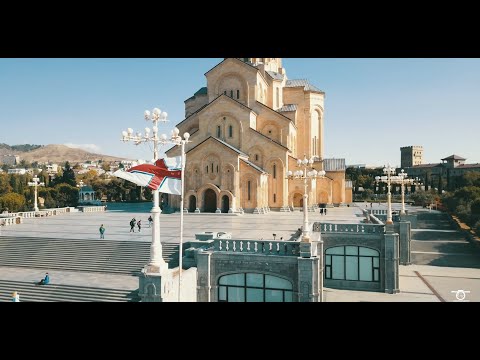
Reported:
(325, 211)
(139, 224)
(150, 221)
(102, 232)
(132, 225)
(371, 205)
(321, 211)
(45, 280)
(15, 297)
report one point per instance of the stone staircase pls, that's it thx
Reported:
(105, 256)
(29, 292)
(440, 244)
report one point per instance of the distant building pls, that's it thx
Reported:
(17, 171)
(52, 168)
(10, 159)
(362, 166)
(411, 156)
(449, 169)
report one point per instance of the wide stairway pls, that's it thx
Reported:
(29, 292)
(105, 256)
(437, 242)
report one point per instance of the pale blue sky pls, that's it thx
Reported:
(372, 108)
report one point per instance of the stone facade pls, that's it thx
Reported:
(411, 156)
(248, 127)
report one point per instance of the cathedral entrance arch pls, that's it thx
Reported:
(209, 201)
(298, 200)
(225, 204)
(192, 204)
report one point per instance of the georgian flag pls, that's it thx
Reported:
(164, 176)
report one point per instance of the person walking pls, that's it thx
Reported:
(150, 221)
(102, 232)
(132, 225)
(15, 297)
(325, 211)
(139, 224)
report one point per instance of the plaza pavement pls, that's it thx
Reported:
(417, 282)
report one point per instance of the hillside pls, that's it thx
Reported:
(59, 154)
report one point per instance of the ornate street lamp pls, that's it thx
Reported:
(156, 263)
(35, 183)
(387, 178)
(306, 176)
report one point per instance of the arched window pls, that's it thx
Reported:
(249, 189)
(274, 198)
(207, 169)
(250, 287)
(256, 157)
(230, 131)
(219, 131)
(278, 97)
(274, 171)
(231, 94)
(352, 263)
(238, 94)
(217, 169)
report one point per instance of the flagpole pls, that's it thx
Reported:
(180, 251)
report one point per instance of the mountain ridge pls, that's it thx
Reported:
(54, 153)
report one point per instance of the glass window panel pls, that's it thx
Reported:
(376, 262)
(351, 263)
(235, 279)
(273, 296)
(376, 275)
(328, 260)
(366, 269)
(336, 250)
(222, 293)
(338, 267)
(277, 283)
(368, 252)
(351, 250)
(254, 295)
(255, 280)
(236, 294)
(288, 296)
(328, 273)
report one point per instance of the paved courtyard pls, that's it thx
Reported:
(247, 226)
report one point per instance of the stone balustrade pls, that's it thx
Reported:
(264, 247)
(10, 220)
(377, 211)
(348, 228)
(89, 209)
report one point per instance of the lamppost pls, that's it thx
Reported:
(35, 183)
(156, 263)
(387, 178)
(305, 176)
(401, 179)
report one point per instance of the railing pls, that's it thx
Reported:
(92, 208)
(348, 228)
(377, 211)
(11, 220)
(264, 247)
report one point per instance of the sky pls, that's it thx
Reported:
(372, 108)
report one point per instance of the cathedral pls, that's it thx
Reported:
(248, 127)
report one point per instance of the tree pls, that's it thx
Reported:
(5, 186)
(68, 176)
(12, 202)
(67, 195)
